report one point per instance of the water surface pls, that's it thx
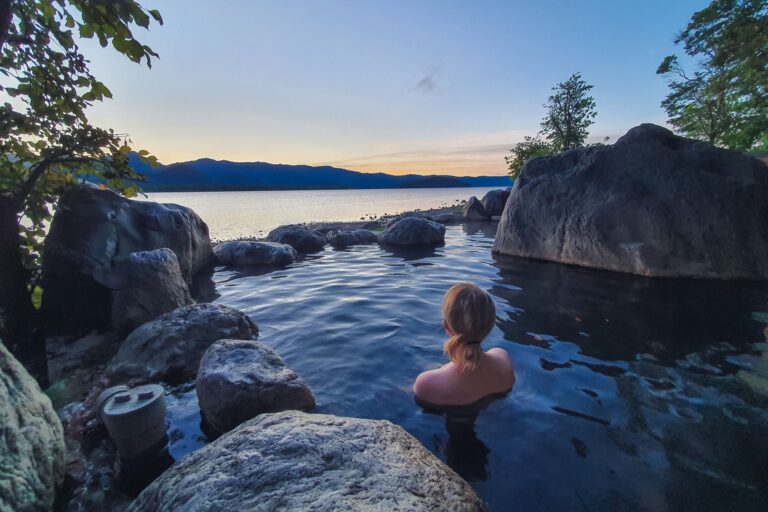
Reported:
(254, 213)
(630, 391)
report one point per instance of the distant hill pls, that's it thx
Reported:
(208, 175)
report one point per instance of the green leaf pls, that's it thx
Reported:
(86, 31)
(156, 15)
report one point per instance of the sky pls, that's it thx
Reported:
(426, 87)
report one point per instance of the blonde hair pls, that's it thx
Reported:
(468, 317)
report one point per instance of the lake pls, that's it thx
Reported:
(251, 214)
(631, 393)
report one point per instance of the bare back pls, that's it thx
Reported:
(448, 385)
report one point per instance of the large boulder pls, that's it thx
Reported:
(301, 238)
(474, 210)
(246, 253)
(413, 231)
(153, 286)
(345, 238)
(169, 348)
(92, 230)
(240, 379)
(653, 204)
(32, 454)
(494, 201)
(297, 461)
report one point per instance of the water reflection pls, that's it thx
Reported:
(464, 452)
(412, 252)
(614, 316)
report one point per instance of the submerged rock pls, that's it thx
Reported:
(474, 210)
(494, 201)
(169, 348)
(92, 230)
(653, 204)
(341, 238)
(240, 379)
(32, 454)
(248, 253)
(298, 461)
(154, 286)
(448, 218)
(301, 238)
(413, 231)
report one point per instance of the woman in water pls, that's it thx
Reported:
(468, 317)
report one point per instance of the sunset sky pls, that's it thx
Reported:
(397, 86)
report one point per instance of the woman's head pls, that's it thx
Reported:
(468, 317)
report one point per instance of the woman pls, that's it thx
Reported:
(468, 317)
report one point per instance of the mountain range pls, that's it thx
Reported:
(206, 174)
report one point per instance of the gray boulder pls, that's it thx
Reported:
(474, 210)
(92, 230)
(653, 204)
(153, 285)
(297, 461)
(248, 254)
(301, 238)
(413, 231)
(448, 218)
(32, 453)
(169, 348)
(494, 201)
(404, 215)
(342, 238)
(240, 379)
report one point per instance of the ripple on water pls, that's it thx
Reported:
(626, 397)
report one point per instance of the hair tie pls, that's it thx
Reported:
(474, 342)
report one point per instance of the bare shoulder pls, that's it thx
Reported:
(500, 354)
(425, 383)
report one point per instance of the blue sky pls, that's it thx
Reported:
(395, 86)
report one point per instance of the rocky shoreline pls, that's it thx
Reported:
(141, 314)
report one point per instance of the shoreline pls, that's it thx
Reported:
(375, 224)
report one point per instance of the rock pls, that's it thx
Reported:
(240, 379)
(346, 238)
(474, 210)
(496, 218)
(494, 201)
(653, 204)
(32, 454)
(154, 286)
(404, 215)
(169, 348)
(413, 231)
(448, 218)
(92, 230)
(297, 461)
(373, 224)
(249, 254)
(301, 238)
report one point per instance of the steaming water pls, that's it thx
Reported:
(631, 392)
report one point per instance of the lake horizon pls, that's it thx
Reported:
(253, 213)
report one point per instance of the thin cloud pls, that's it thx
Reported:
(429, 82)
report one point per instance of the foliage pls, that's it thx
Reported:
(46, 141)
(570, 113)
(531, 147)
(725, 100)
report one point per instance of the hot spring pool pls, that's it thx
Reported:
(631, 393)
